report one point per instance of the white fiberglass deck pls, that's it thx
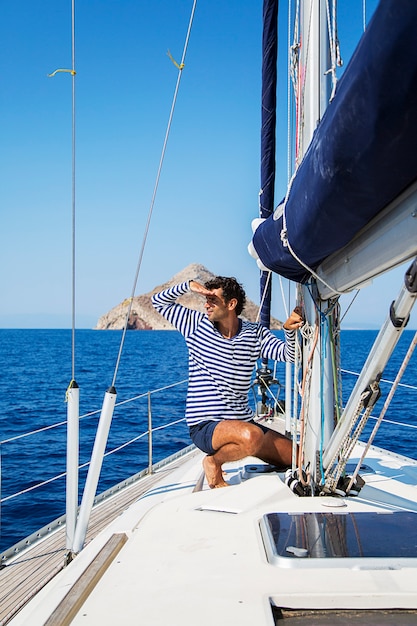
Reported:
(199, 557)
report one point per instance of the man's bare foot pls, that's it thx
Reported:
(213, 472)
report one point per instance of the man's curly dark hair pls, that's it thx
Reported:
(231, 289)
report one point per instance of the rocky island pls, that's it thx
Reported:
(144, 317)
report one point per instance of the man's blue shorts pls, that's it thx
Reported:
(202, 434)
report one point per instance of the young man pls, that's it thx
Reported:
(223, 350)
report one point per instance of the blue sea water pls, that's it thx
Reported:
(35, 373)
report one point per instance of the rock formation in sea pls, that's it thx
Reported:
(144, 317)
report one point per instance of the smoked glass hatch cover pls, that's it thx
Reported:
(311, 536)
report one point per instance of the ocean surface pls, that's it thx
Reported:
(36, 371)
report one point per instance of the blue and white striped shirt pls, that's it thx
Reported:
(220, 369)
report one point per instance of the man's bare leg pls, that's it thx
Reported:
(234, 440)
(275, 449)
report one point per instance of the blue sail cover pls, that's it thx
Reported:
(268, 140)
(362, 155)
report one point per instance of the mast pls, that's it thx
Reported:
(349, 212)
(314, 77)
(314, 89)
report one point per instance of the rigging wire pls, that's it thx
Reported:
(76, 541)
(348, 308)
(180, 67)
(97, 411)
(87, 463)
(331, 25)
(73, 186)
(46, 428)
(264, 294)
(387, 402)
(284, 300)
(73, 74)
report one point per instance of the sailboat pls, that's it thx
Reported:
(332, 539)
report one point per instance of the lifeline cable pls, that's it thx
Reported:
(387, 402)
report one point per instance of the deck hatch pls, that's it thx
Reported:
(366, 539)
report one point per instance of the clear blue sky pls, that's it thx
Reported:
(209, 186)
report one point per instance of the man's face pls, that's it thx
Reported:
(216, 307)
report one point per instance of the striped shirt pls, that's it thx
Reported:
(220, 369)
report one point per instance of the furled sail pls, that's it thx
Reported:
(269, 99)
(362, 155)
